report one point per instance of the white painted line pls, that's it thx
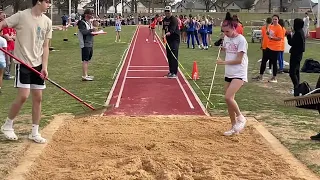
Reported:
(181, 87)
(141, 70)
(148, 66)
(117, 78)
(146, 77)
(187, 82)
(125, 75)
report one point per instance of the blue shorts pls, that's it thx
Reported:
(118, 28)
(2, 65)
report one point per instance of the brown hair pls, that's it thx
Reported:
(229, 22)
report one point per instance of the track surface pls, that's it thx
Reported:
(142, 89)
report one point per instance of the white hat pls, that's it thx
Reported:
(167, 8)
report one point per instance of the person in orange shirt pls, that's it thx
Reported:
(265, 39)
(152, 28)
(274, 47)
(280, 57)
(239, 28)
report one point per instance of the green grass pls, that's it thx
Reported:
(263, 100)
(65, 69)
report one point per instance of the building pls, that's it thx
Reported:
(262, 6)
(189, 6)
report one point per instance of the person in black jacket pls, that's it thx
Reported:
(171, 33)
(85, 37)
(297, 43)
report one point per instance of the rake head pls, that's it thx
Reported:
(303, 100)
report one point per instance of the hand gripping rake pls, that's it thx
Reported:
(54, 83)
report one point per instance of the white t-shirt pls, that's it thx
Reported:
(232, 47)
(3, 44)
(306, 21)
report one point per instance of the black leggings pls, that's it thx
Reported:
(294, 70)
(272, 56)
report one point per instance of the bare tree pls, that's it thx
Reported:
(248, 4)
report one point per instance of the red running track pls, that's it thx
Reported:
(142, 89)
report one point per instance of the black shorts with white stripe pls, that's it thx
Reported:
(25, 78)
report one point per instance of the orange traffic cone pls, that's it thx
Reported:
(195, 73)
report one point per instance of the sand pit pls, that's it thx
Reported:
(160, 148)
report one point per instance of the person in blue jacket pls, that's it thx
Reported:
(210, 30)
(190, 25)
(204, 32)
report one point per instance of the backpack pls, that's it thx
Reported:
(311, 66)
(303, 89)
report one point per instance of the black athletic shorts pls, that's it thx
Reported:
(86, 53)
(230, 79)
(26, 78)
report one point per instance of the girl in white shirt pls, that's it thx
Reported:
(236, 69)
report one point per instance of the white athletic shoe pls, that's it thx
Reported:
(230, 132)
(147, 40)
(240, 124)
(9, 133)
(87, 78)
(37, 138)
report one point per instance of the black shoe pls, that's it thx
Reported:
(316, 137)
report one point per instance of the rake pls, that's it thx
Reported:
(307, 99)
(98, 110)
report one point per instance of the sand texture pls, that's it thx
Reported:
(157, 148)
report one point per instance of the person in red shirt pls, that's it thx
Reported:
(152, 28)
(10, 35)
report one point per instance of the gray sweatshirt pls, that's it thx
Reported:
(84, 34)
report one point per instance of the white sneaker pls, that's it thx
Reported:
(291, 92)
(147, 40)
(87, 78)
(154, 41)
(273, 80)
(37, 138)
(230, 132)
(9, 133)
(240, 124)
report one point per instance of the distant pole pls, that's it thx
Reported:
(114, 6)
(318, 15)
(69, 8)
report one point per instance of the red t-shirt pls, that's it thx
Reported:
(11, 32)
(179, 23)
(154, 23)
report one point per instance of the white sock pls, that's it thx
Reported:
(35, 129)
(8, 124)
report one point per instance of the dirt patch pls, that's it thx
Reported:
(20, 155)
(312, 156)
(10, 152)
(158, 148)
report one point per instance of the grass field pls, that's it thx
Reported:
(263, 100)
